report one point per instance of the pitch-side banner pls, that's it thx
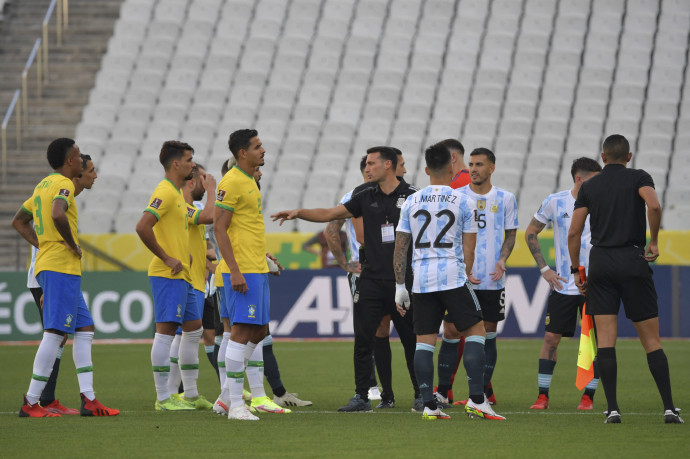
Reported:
(304, 304)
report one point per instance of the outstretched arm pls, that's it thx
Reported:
(313, 215)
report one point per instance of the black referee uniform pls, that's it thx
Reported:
(618, 270)
(375, 293)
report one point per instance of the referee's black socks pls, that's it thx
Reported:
(608, 369)
(658, 366)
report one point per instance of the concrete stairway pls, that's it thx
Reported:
(72, 69)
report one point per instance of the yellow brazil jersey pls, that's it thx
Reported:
(218, 279)
(53, 254)
(237, 192)
(170, 209)
(197, 247)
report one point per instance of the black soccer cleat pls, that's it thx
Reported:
(613, 417)
(672, 417)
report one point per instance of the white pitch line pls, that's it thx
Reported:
(552, 413)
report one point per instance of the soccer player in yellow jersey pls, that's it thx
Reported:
(163, 228)
(193, 190)
(240, 233)
(58, 271)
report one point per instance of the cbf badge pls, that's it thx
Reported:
(68, 321)
(481, 204)
(179, 311)
(252, 311)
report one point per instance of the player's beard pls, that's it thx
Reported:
(198, 196)
(190, 176)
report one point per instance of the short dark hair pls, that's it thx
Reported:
(387, 154)
(616, 147)
(57, 151)
(486, 152)
(363, 163)
(172, 150)
(397, 151)
(584, 164)
(453, 144)
(240, 140)
(437, 156)
(84, 160)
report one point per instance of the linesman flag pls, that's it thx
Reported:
(588, 346)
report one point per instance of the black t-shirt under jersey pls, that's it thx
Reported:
(378, 209)
(617, 211)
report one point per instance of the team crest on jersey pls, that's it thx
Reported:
(252, 311)
(64, 192)
(220, 195)
(179, 311)
(156, 203)
(494, 208)
(400, 202)
(190, 211)
(481, 204)
(68, 321)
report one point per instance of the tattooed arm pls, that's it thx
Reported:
(402, 242)
(533, 229)
(332, 234)
(506, 249)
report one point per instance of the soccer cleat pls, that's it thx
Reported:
(55, 407)
(374, 393)
(246, 395)
(173, 404)
(356, 404)
(418, 405)
(220, 408)
(241, 413)
(199, 403)
(586, 403)
(266, 405)
(442, 402)
(434, 414)
(386, 404)
(613, 417)
(672, 417)
(482, 411)
(95, 408)
(542, 403)
(450, 395)
(35, 411)
(288, 399)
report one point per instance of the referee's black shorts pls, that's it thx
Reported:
(621, 274)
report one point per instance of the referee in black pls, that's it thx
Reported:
(379, 206)
(619, 266)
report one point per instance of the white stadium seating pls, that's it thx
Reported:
(541, 82)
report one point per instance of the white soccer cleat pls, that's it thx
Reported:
(241, 413)
(289, 399)
(220, 408)
(434, 414)
(482, 411)
(374, 393)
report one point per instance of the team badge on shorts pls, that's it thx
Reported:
(548, 319)
(481, 204)
(220, 195)
(64, 192)
(68, 321)
(252, 311)
(156, 203)
(179, 311)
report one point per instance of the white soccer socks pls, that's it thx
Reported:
(234, 366)
(160, 361)
(222, 372)
(255, 371)
(43, 365)
(81, 353)
(189, 361)
(175, 377)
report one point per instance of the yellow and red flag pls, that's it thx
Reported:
(588, 346)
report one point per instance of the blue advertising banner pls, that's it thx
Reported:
(307, 304)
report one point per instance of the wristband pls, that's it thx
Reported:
(545, 268)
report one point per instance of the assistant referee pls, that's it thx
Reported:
(619, 266)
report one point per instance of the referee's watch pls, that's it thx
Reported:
(574, 269)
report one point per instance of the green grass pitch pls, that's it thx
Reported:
(322, 372)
